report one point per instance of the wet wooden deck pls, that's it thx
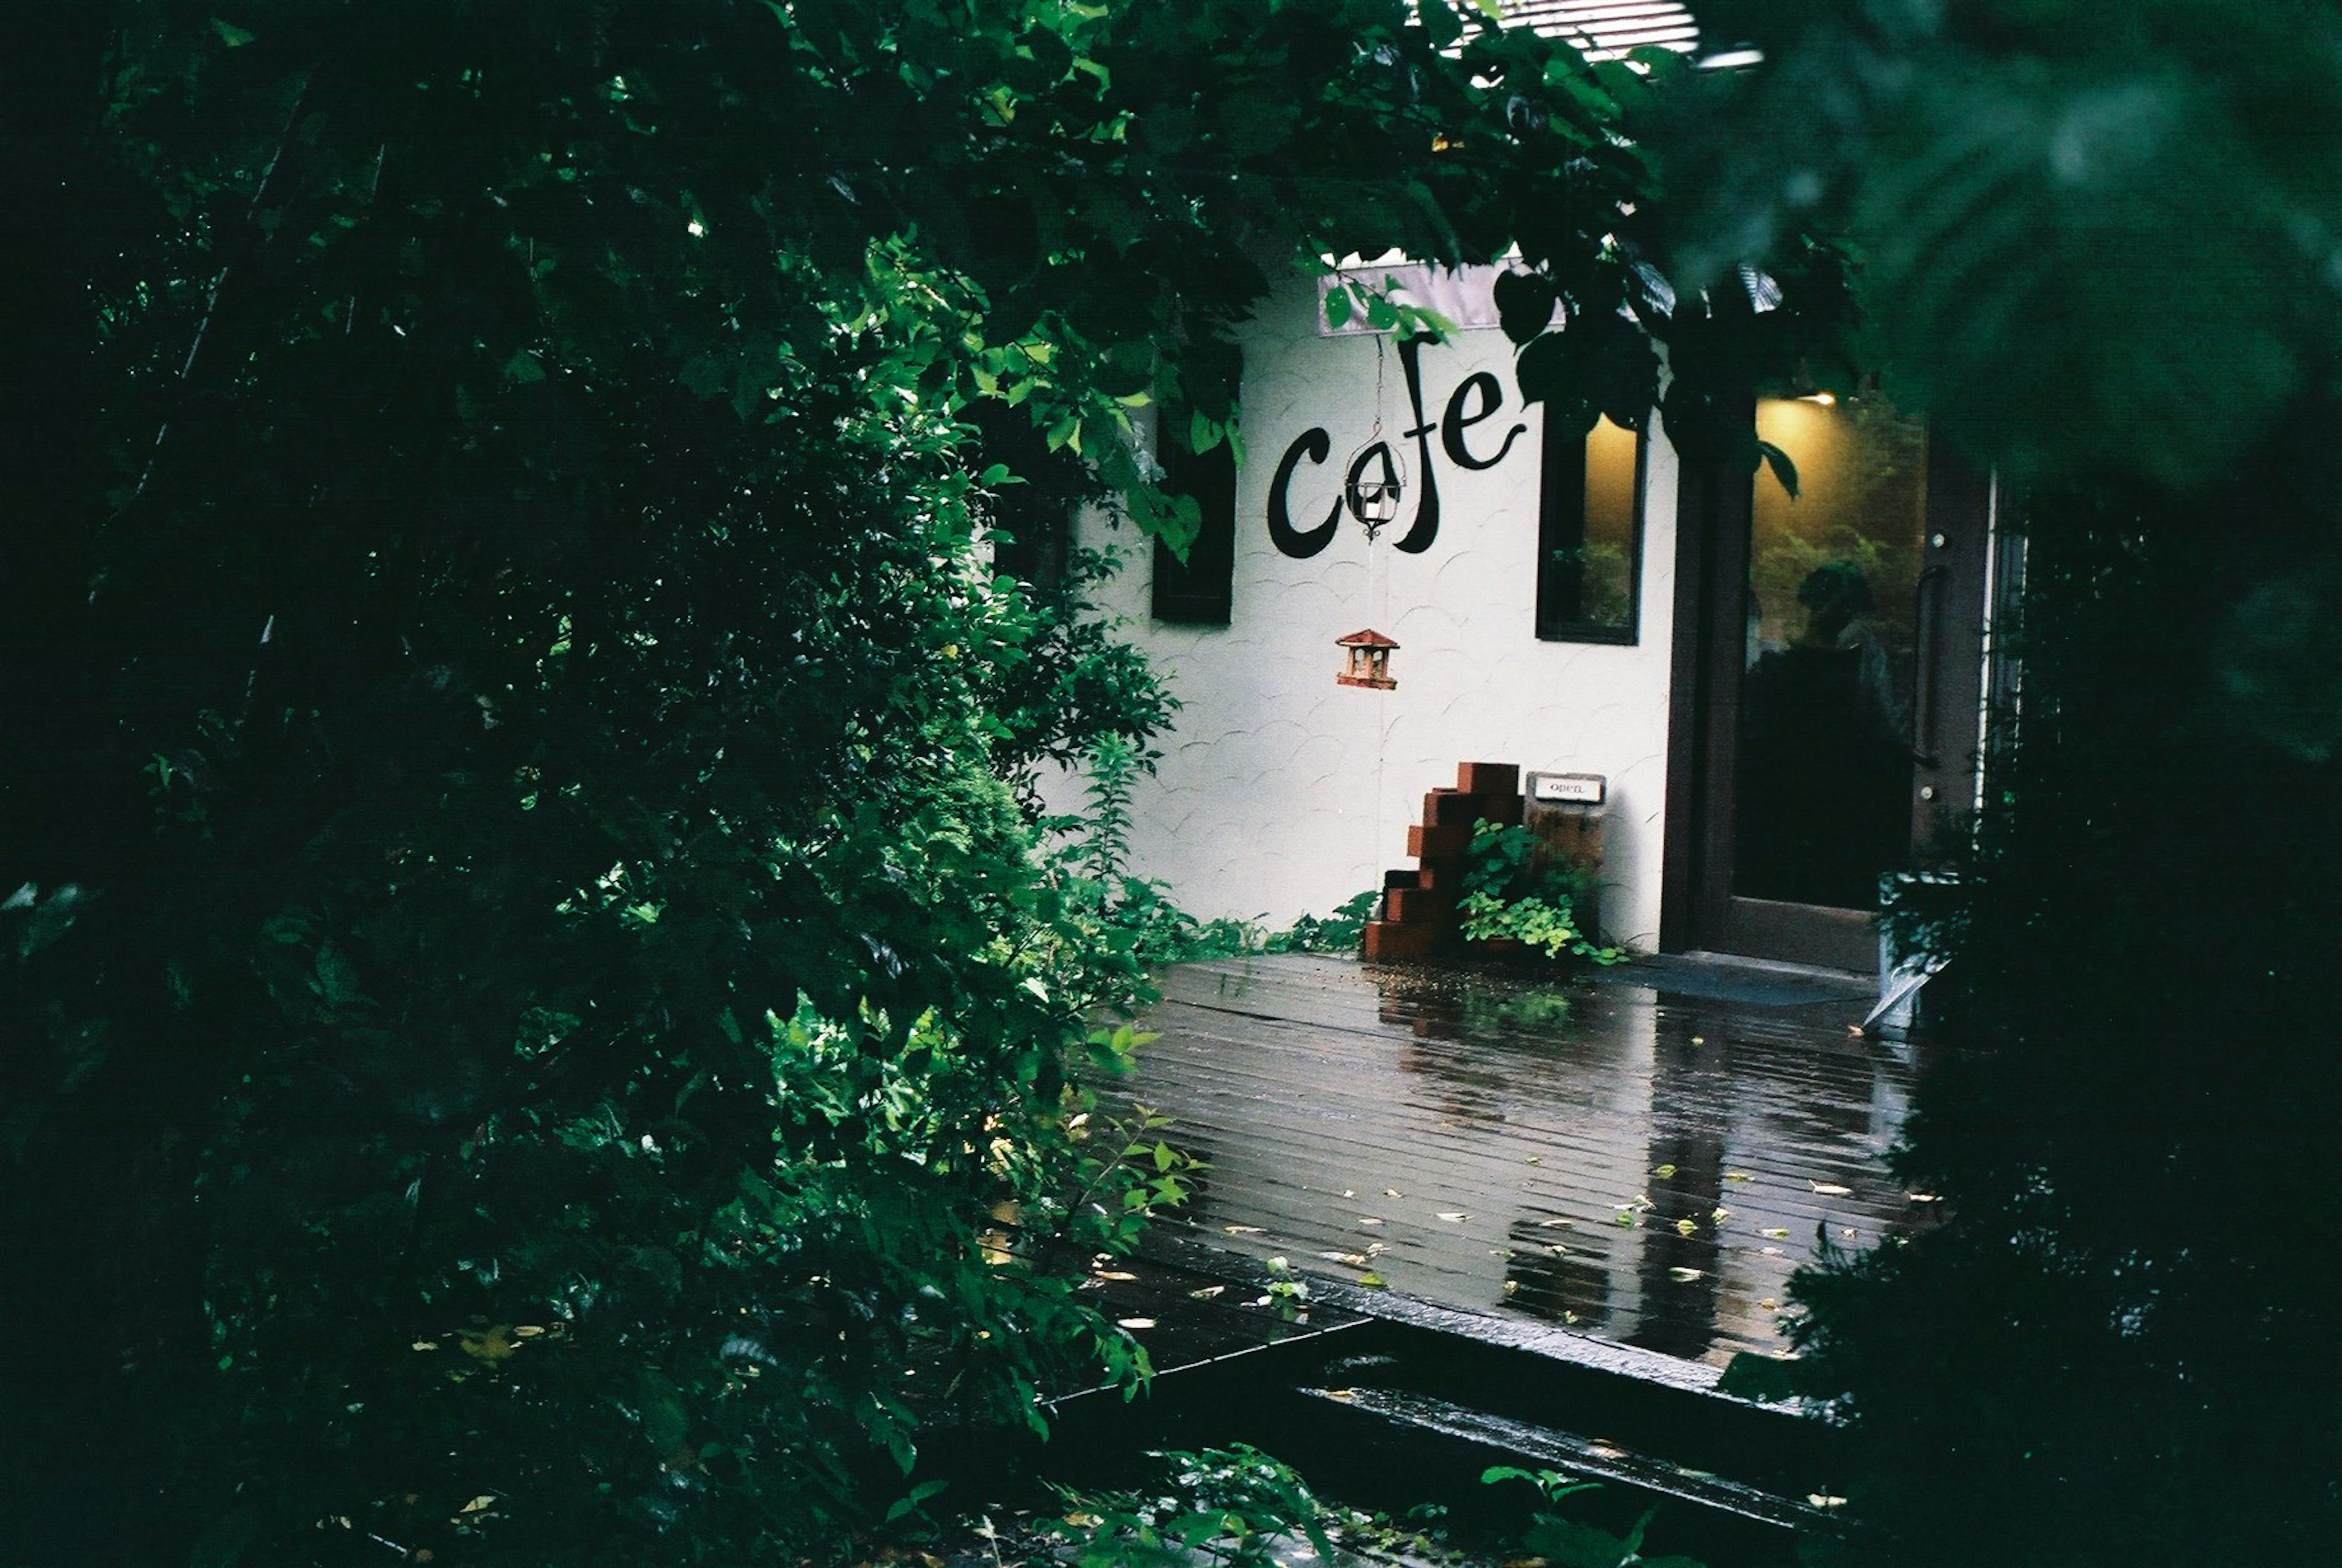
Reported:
(1611, 1156)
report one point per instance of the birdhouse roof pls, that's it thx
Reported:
(1366, 639)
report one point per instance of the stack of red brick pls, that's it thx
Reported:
(1419, 918)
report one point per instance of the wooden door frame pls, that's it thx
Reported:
(1714, 512)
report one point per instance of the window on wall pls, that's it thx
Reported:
(1197, 592)
(1590, 568)
(1032, 519)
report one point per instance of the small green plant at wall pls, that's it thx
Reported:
(1132, 920)
(1513, 890)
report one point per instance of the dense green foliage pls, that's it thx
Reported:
(2087, 235)
(2120, 1334)
(2097, 246)
(536, 1031)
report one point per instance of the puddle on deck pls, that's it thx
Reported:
(1640, 1165)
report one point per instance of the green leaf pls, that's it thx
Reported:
(1566, 1543)
(1785, 469)
(1549, 371)
(1524, 302)
(914, 1501)
(1440, 23)
(1753, 1374)
(705, 375)
(233, 36)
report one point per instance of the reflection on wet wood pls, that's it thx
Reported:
(1638, 1166)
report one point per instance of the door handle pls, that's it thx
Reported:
(1927, 614)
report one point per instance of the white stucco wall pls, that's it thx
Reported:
(1281, 792)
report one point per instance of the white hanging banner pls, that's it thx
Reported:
(1465, 296)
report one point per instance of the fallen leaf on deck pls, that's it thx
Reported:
(1374, 1281)
(1368, 1220)
(1770, 1252)
(1135, 1321)
(1207, 1293)
(1344, 1395)
(1665, 1172)
(1925, 1197)
(1778, 1233)
(1849, 1232)
(1242, 1230)
(1685, 1227)
(1512, 1285)
(491, 1346)
(1115, 1275)
(1453, 1216)
(1738, 1176)
(1831, 1189)
(1536, 1160)
(1823, 1499)
(1770, 1305)
(1683, 1276)
(1719, 1215)
(484, 1499)
(1393, 1192)
(1355, 1259)
(1349, 1193)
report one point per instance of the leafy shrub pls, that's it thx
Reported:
(1235, 1506)
(1566, 1542)
(1075, 694)
(1516, 889)
(1134, 919)
(597, 1023)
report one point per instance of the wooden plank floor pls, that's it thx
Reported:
(1627, 1162)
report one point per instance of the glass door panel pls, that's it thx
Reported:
(1821, 792)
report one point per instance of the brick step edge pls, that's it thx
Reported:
(1387, 941)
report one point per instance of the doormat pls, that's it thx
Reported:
(1713, 977)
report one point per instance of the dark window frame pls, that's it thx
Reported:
(1201, 589)
(1561, 526)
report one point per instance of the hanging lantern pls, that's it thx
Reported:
(1376, 481)
(1369, 660)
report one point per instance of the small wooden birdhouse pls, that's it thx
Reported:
(1369, 663)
